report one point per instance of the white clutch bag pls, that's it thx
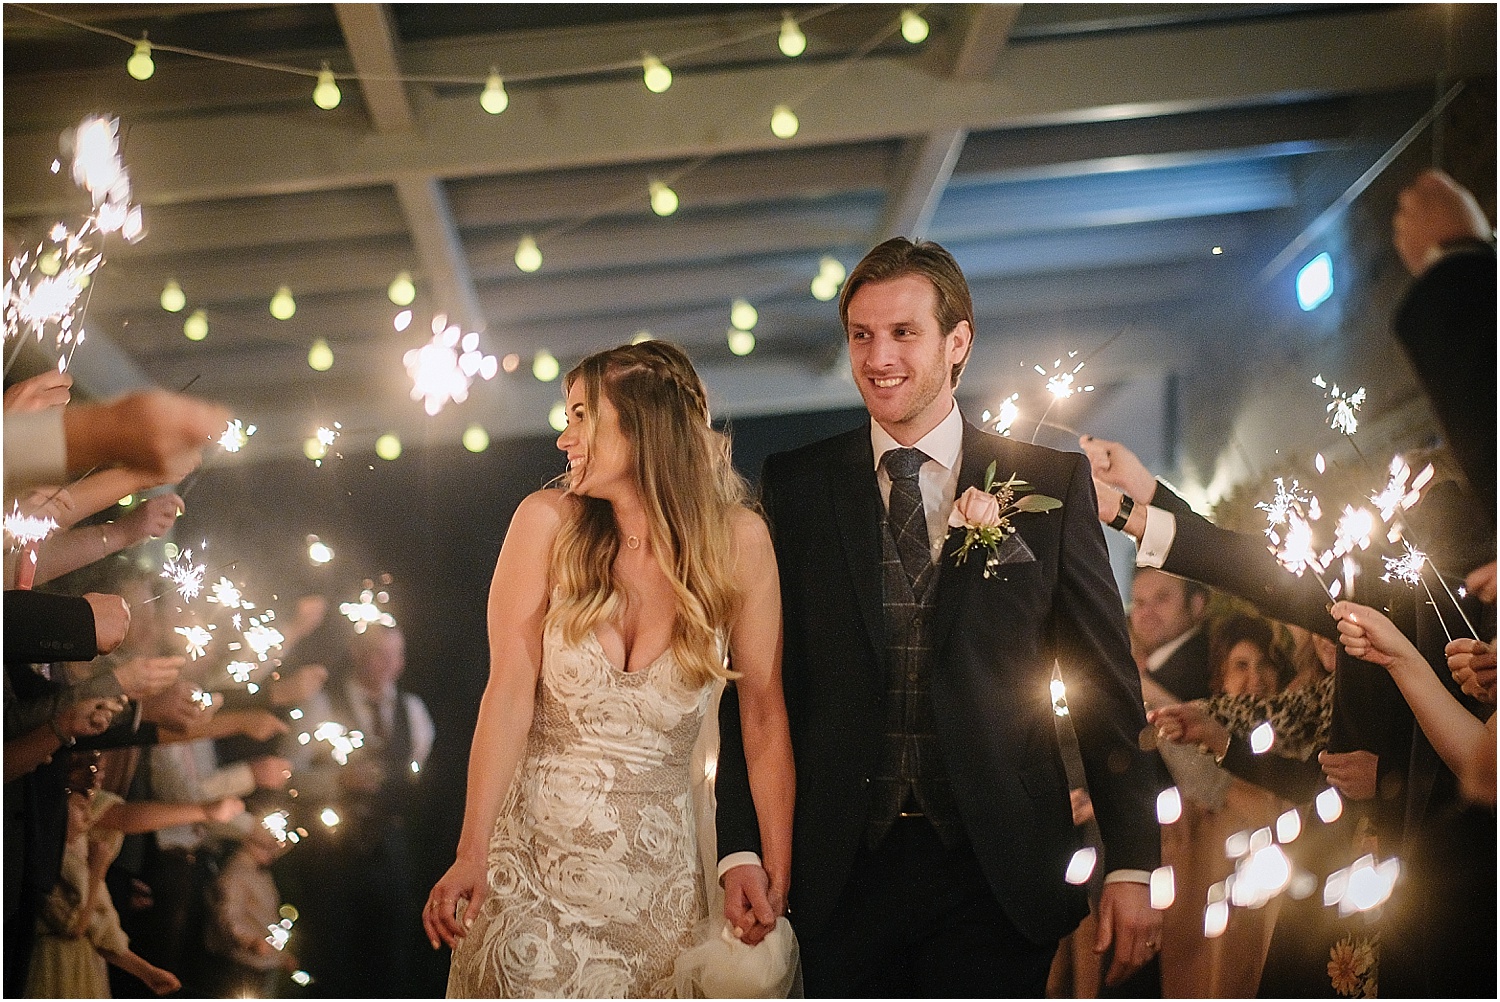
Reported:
(722, 967)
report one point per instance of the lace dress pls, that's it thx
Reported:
(594, 873)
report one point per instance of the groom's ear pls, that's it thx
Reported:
(960, 344)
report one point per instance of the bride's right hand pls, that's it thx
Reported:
(462, 887)
(751, 904)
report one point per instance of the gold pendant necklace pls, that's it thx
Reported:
(634, 542)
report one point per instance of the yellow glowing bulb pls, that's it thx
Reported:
(282, 304)
(50, 263)
(663, 199)
(784, 124)
(641, 336)
(913, 27)
(320, 356)
(742, 315)
(544, 366)
(139, 65)
(791, 40)
(741, 342)
(173, 299)
(326, 94)
(658, 78)
(494, 99)
(528, 254)
(388, 447)
(823, 288)
(476, 439)
(402, 291)
(833, 268)
(195, 327)
(319, 552)
(557, 417)
(314, 448)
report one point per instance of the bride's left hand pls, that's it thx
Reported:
(751, 904)
(463, 886)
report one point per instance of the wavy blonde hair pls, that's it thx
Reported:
(690, 491)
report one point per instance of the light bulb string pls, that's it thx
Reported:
(533, 76)
(870, 45)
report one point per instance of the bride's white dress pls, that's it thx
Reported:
(595, 877)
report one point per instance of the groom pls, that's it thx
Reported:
(933, 826)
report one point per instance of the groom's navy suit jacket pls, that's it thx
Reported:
(996, 639)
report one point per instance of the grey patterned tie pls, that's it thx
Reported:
(907, 521)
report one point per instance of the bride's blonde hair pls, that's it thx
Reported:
(690, 491)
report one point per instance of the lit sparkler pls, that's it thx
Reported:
(441, 372)
(260, 636)
(341, 741)
(1342, 408)
(24, 529)
(235, 436)
(366, 611)
(1009, 411)
(1352, 531)
(1407, 567)
(240, 670)
(277, 823)
(203, 699)
(224, 592)
(197, 639)
(184, 574)
(1287, 502)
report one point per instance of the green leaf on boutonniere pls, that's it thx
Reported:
(1037, 502)
(989, 475)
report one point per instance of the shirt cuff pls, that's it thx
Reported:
(1156, 538)
(1127, 877)
(734, 859)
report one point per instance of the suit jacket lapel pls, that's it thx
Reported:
(857, 510)
(955, 579)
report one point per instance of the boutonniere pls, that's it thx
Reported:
(985, 515)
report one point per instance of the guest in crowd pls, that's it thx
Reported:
(1166, 628)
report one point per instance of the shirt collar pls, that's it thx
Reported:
(944, 444)
(1159, 657)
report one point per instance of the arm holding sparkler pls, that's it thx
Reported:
(77, 547)
(517, 607)
(159, 435)
(1472, 663)
(1465, 745)
(48, 389)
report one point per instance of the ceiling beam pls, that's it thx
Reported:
(611, 121)
(371, 38)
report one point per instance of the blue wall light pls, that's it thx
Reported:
(1315, 282)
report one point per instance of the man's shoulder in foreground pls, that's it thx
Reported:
(815, 453)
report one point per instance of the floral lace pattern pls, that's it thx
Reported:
(595, 880)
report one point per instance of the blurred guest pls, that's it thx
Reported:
(1241, 652)
(1166, 624)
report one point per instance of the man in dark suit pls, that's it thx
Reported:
(933, 827)
(1166, 620)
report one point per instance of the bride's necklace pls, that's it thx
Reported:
(634, 542)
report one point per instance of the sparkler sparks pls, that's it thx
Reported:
(260, 636)
(1342, 407)
(186, 575)
(1009, 411)
(197, 639)
(366, 611)
(224, 592)
(440, 372)
(240, 670)
(235, 436)
(1407, 567)
(1397, 496)
(341, 741)
(277, 824)
(1287, 502)
(27, 528)
(1352, 531)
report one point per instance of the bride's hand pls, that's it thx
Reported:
(454, 902)
(751, 904)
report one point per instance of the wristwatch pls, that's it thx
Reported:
(1127, 505)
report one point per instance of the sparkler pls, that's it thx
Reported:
(260, 636)
(197, 639)
(26, 529)
(341, 741)
(366, 611)
(224, 592)
(235, 436)
(440, 372)
(184, 574)
(277, 824)
(1342, 408)
(1060, 385)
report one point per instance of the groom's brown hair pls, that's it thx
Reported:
(899, 256)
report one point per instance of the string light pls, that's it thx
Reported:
(913, 27)
(402, 291)
(657, 77)
(173, 299)
(545, 366)
(283, 306)
(784, 124)
(326, 94)
(663, 199)
(320, 356)
(139, 65)
(528, 254)
(494, 99)
(476, 439)
(557, 417)
(791, 40)
(830, 276)
(388, 447)
(195, 327)
(742, 315)
(641, 336)
(741, 342)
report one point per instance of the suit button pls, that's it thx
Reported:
(866, 781)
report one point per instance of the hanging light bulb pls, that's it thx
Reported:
(139, 65)
(195, 327)
(476, 439)
(326, 94)
(494, 99)
(741, 342)
(402, 291)
(833, 268)
(663, 199)
(320, 356)
(658, 78)
(557, 417)
(793, 43)
(913, 28)
(784, 124)
(641, 337)
(743, 315)
(282, 304)
(544, 366)
(824, 289)
(388, 447)
(528, 254)
(50, 263)
(172, 297)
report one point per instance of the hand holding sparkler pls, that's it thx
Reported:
(1432, 212)
(150, 520)
(111, 620)
(1472, 663)
(1480, 583)
(158, 434)
(141, 678)
(1368, 635)
(1353, 774)
(50, 389)
(1190, 724)
(1117, 466)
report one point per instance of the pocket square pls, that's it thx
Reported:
(1014, 551)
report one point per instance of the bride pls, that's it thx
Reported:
(577, 871)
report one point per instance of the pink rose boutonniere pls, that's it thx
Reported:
(985, 515)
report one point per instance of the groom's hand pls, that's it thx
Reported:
(1127, 920)
(747, 903)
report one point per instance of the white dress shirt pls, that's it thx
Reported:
(944, 447)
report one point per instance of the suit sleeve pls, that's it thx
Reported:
(1106, 709)
(41, 627)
